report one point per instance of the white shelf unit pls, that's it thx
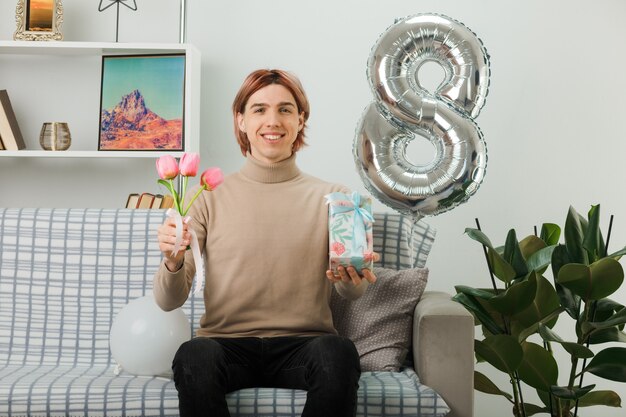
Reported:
(98, 49)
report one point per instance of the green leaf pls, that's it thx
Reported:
(583, 223)
(532, 409)
(550, 233)
(538, 368)
(550, 319)
(531, 244)
(474, 307)
(167, 185)
(573, 348)
(500, 250)
(569, 300)
(484, 384)
(500, 268)
(577, 350)
(479, 237)
(593, 242)
(607, 335)
(609, 364)
(545, 303)
(177, 201)
(615, 320)
(517, 297)
(605, 308)
(606, 304)
(501, 350)
(607, 398)
(618, 254)
(570, 394)
(547, 334)
(574, 237)
(593, 282)
(475, 292)
(540, 260)
(513, 254)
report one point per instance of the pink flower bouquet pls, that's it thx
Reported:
(168, 169)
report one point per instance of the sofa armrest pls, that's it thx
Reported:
(443, 350)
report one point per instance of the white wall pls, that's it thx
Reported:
(553, 121)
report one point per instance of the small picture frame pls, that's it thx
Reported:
(38, 20)
(142, 103)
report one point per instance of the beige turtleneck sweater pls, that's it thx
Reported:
(264, 233)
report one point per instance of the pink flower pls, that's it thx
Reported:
(211, 178)
(167, 167)
(338, 248)
(189, 164)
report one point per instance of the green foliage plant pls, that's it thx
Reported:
(518, 314)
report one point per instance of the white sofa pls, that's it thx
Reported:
(65, 273)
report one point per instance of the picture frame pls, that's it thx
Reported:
(38, 20)
(142, 103)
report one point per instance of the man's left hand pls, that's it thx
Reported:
(350, 274)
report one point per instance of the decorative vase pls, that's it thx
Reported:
(55, 136)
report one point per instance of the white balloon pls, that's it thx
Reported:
(144, 338)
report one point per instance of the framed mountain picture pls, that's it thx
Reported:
(142, 103)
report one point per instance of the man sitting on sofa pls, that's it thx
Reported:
(265, 236)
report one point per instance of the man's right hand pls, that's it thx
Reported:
(167, 239)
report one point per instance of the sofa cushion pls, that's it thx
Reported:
(55, 391)
(380, 322)
(401, 242)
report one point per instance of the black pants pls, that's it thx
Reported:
(206, 369)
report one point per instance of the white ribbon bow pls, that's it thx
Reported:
(195, 247)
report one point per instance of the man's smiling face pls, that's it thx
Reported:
(271, 122)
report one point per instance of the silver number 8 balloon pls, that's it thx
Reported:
(404, 110)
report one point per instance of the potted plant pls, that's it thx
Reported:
(518, 315)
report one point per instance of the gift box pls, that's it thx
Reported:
(350, 230)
